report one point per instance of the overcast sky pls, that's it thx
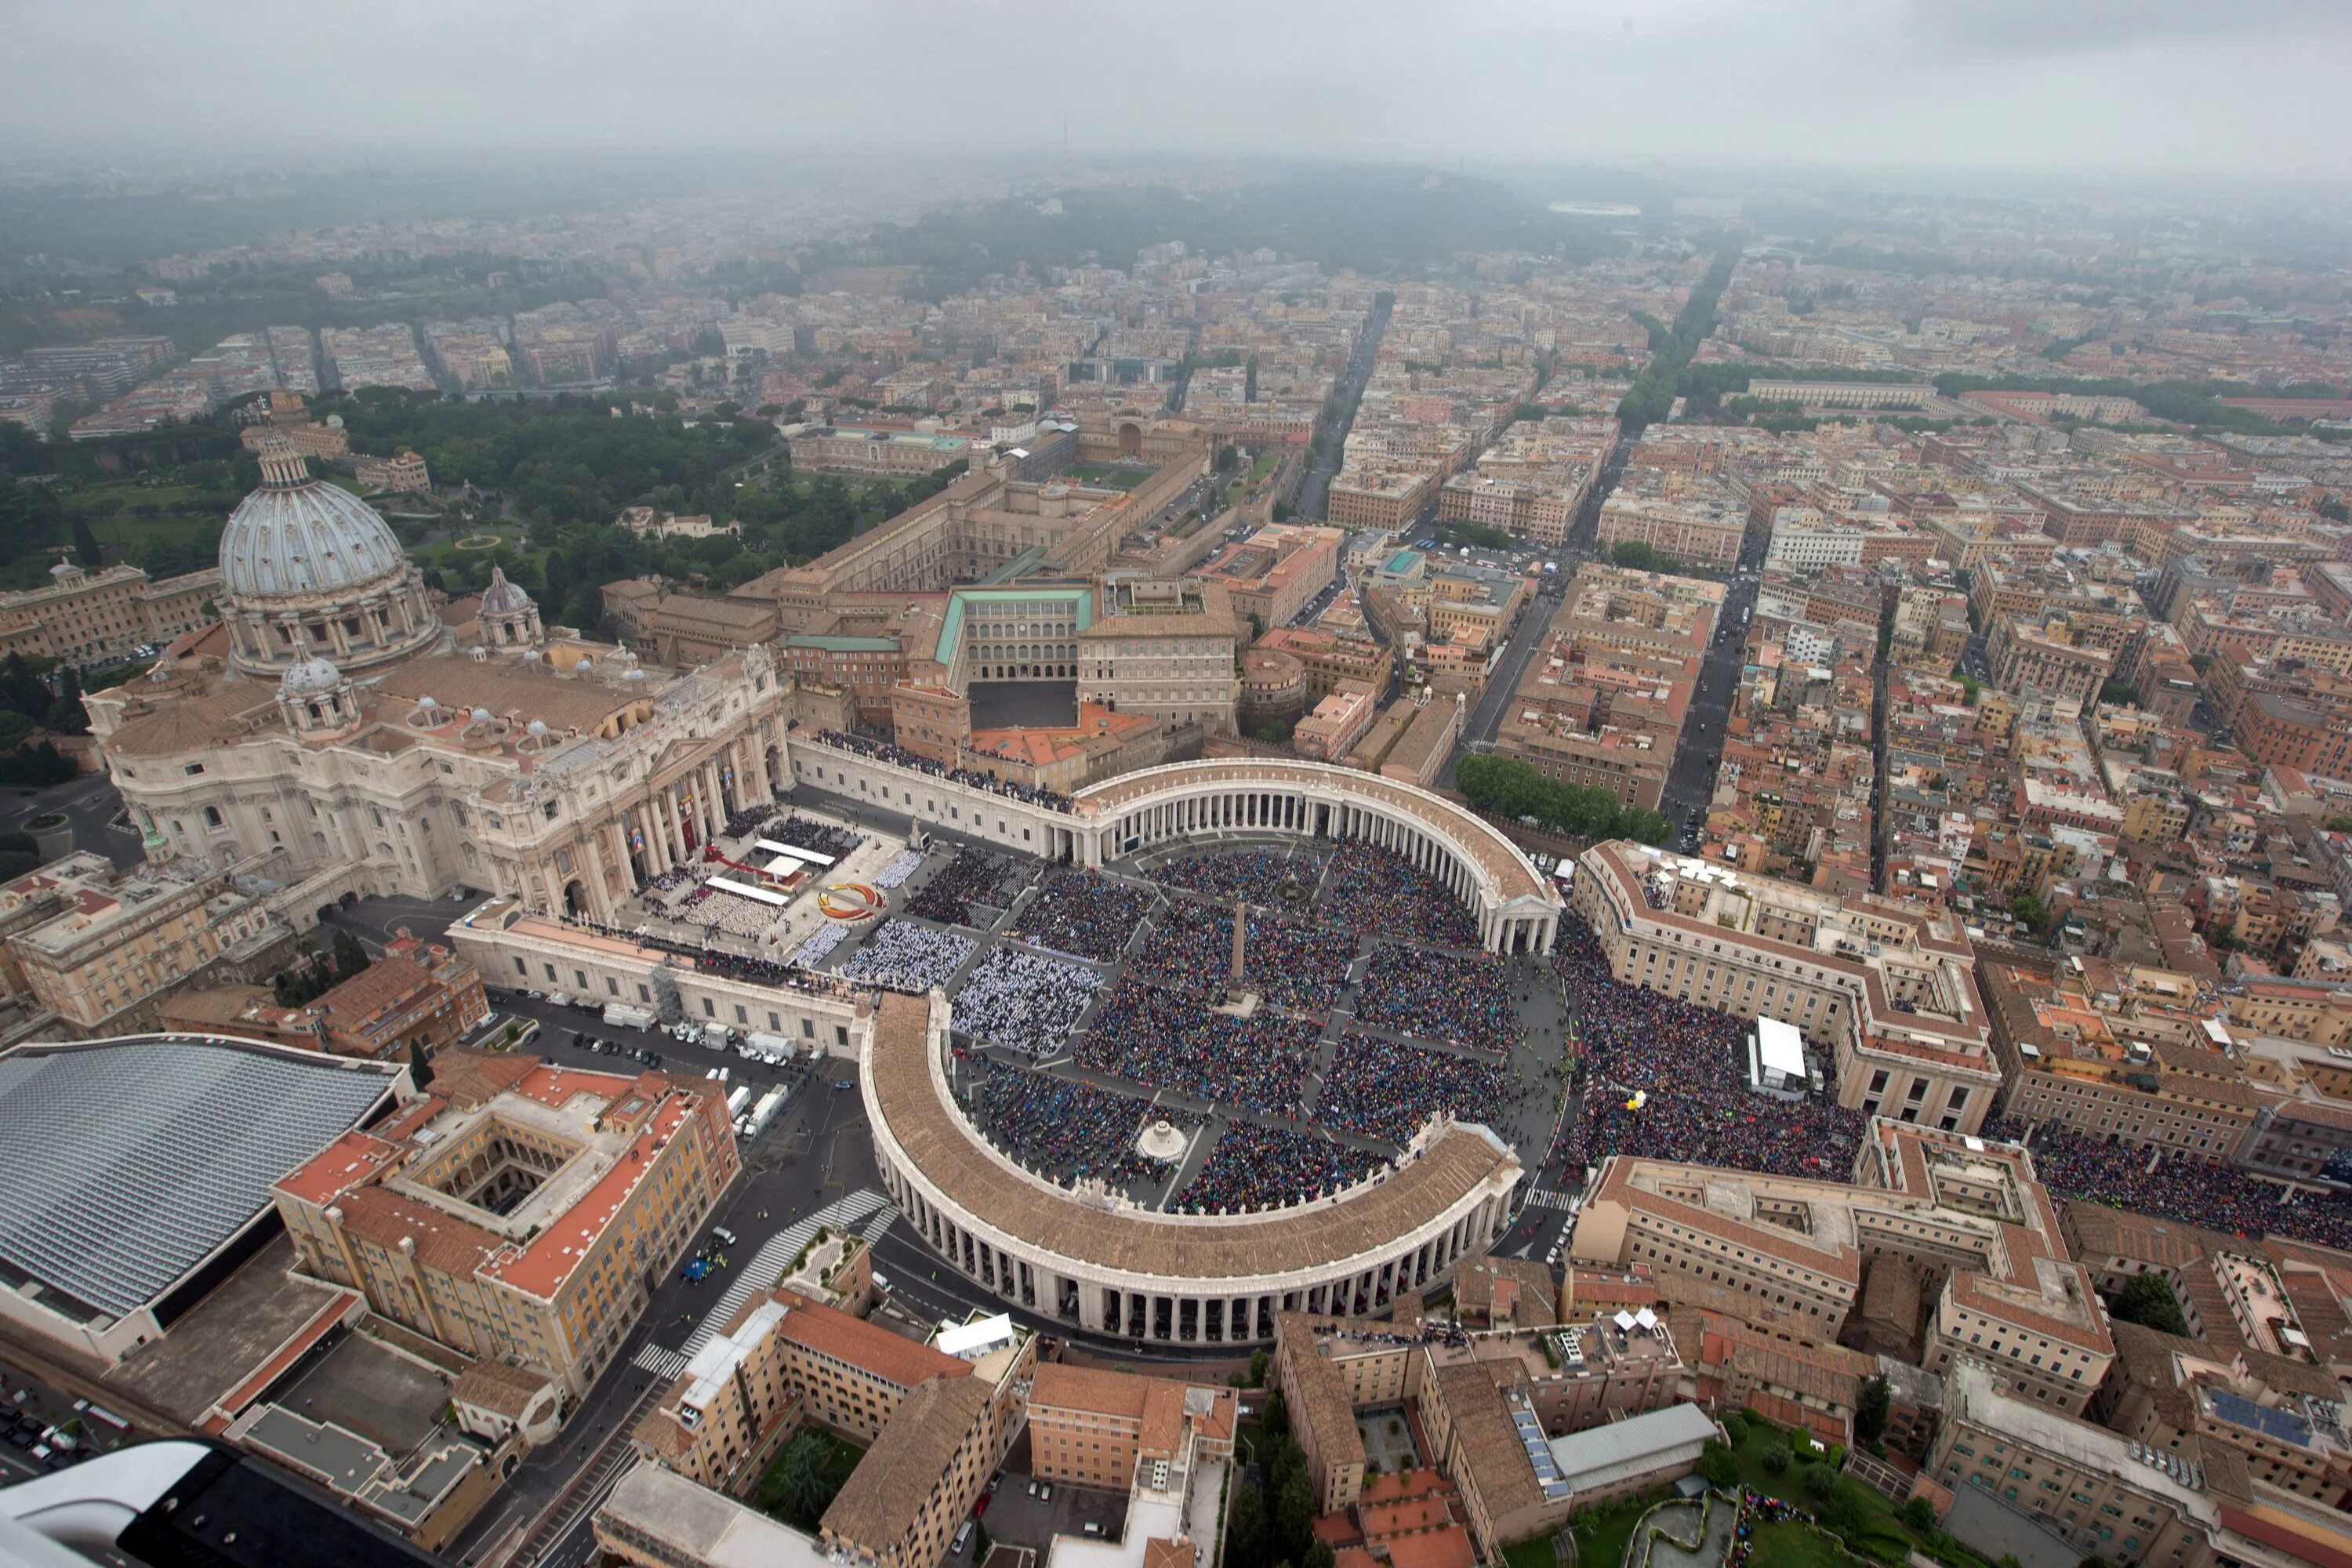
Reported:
(2245, 86)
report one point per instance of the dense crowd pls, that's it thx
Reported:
(1688, 1065)
(749, 817)
(1263, 875)
(820, 943)
(1023, 1001)
(903, 956)
(1061, 1127)
(1156, 1038)
(1379, 1089)
(948, 896)
(1290, 964)
(1083, 914)
(1374, 891)
(1257, 1167)
(2190, 1191)
(1465, 1001)
(903, 865)
(898, 757)
(676, 877)
(715, 908)
(807, 833)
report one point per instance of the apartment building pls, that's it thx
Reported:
(520, 1210)
(1337, 724)
(405, 473)
(2121, 1054)
(1361, 498)
(1163, 649)
(875, 453)
(1499, 1411)
(2027, 656)
(114, 946)
(1795, 1257)
(1692, 520)
(1888, 989)
(85, 617)
(1329, 657)
(416, 997)
(1277, 572)
(1105, 1429)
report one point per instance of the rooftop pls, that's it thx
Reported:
(165, 1147)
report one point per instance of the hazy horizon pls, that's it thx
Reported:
(2091, 91)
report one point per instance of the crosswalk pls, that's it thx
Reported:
(767, 1267)
(1545, 1198)
(660, 1360)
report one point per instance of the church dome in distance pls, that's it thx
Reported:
(298, 536)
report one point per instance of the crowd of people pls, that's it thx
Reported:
(903, 865)
(669, 881)
(898, 757)
(1259, 1167)
(903, 956)
(1064, 1129)
(2191, 1192)
(715, 908)
(749, 817)
(819, 944)
(1667, 1081)
(954, 888)
(1262, 874)
(1291, 964)
(1160, 1038)
(1023, 1001)
(1380, 1088)
(807, 833)
(1438, 996)
(1083, 914)
(1374, 891)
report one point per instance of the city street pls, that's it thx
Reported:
(91, 805)
(1326, 466)
(1691, 783)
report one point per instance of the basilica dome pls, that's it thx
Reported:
(308, 537)
(308, 571)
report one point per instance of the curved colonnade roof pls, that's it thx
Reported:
(1494, 854)
(946, 1150)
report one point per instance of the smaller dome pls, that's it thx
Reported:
(313, 673)
(427, 703)
(536, 727)
(481, 715)
(502, 597)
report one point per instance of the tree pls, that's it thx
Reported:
(1870, 1410)
(350, 958)
(1635, 555)
(2341, 823)
(1320, 1555)
(67, 715)
(1245, 1529)
(1276, 1418)
(2146, 1300)
(1919, 1514)
(1776, 1461)
(1719, 1466)
(802, 1491)
(420, 1065)
(1293, 1515)
(1819, 1482)
(2032, 910)
(1257, 1368)
(1735, 1427)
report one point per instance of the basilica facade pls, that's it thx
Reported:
(339, 727)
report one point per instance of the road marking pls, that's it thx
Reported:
(767, 1265)
(1544, 1198)
(660, 1360)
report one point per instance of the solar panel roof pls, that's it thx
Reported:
(124, 1164)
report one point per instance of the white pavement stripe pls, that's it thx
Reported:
(1541, 1197)
(660, 1360)
(767, 1265)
